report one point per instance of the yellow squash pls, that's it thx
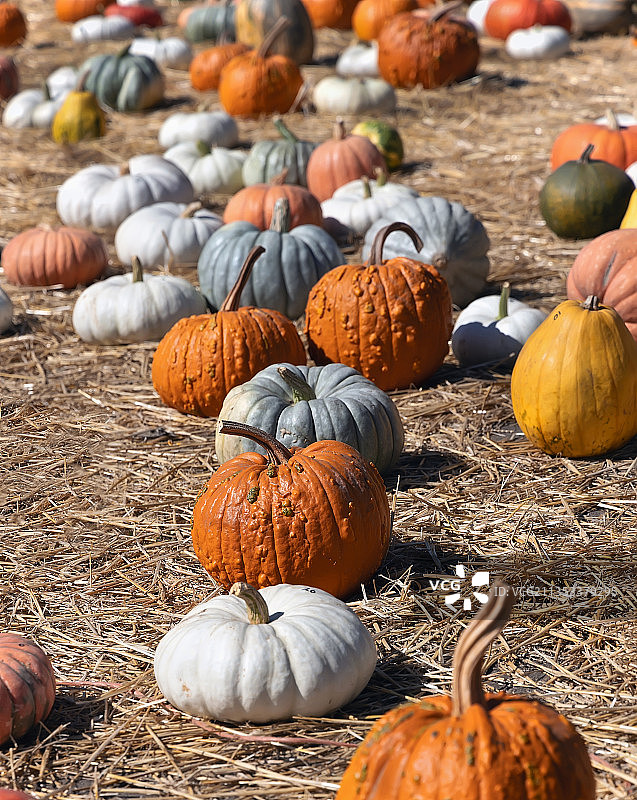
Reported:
(574, 384)
(79, 117)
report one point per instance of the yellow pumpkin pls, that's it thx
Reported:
(79, 117)
(630, 217)
(574, 384)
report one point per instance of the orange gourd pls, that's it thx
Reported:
(256, 82)
(255, 204)
(472, 745)
(204, 356)
(13, 24)
(318, 517)
(330, 13)
(74, 10)
(611, 142)
(205, 67)
(370, 15)
(390, 320)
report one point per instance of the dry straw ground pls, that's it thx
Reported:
(99, 479)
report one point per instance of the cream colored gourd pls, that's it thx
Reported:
(6, 311)
(212, 127)
(172, 51)
(32, 108)
(210, 169)
(538, 42)
(97, 28)
(134, 307)
(336, 94)
(259, 656)
(358, 60)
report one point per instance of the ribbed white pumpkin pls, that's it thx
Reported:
(166, 233)
(336, 94)
(538, 42)
(6, 311)
(493, 328)
(98, 28)
(170, 52)
(210, 169)
(454, 241)
(213, 127)
(31, 108)
(359, 60)
(358, 204)
(62, 79)
(309, 655)
(134, 307)
(103, 195)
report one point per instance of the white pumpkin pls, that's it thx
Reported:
(103, 195)
(359, 60)
(146, 3)
(493, 328)
(358, 204)
(31, 108)
(212, 127)
(171, 52)
(621, 118)
(631, 171)
(476, 13)
(265, 655)
(336, 94)
(210, 169)
(166, 233)
(62, 80)
(6, 311)
(98, 28)
(124, 309)
(538, 42)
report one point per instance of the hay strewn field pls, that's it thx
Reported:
(99, 479)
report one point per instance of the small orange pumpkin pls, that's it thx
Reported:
(205, 67)
(370, 15)
(74, 10)
(318, 517)
(390, 320)
(505, 16)
(330, 13)
(611, 141)
(256, 82)
(255, 204)
(13, 24)
(202, 357)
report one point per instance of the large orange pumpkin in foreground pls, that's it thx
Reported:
(611, 142)
(318, 517)
(472, 745)
(390, 320)
(202, 357)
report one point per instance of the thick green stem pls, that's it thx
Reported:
(231, 303)
(277, 452)
(258, 613)
(367, 189)
(203, 148)
(381, 176)
(503, 308)
(284, 131)
(376, 252)
(301, 390)
(138, 270)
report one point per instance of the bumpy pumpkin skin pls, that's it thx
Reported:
(574, 384)
(27, 685)
(418, 50)
(320, 519)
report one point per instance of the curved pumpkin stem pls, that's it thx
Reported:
(338, 131)
(231, 303)
(367, 189)
(284, 131)
(381, 176)
(271, 36)
(280, 179)
(138, 270)
(277, 452)
(503, 308)
(258, 613)
(191, 209)
(301, 390)
(472, 645)
(444, 9)
(612, 123)
(586, 155)
(591, 303)
(376, 253)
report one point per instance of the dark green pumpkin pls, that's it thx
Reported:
(123, 81)
(211, 24)
(585, 198)
(269, 158)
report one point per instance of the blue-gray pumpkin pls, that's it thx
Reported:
(269, 158)
(211, 23)
(454, 241)
(293, 262)
(123, 81)
(301, 405)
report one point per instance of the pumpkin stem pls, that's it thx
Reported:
(591, 303)
(138, 270)
(444, 9)
(472, 645)
(124, 51)
(258, 613)
(367, 189)
(277, 452)
(231, 303)
(284, 131)
(586, 155)
(280, 221)
(301, 390)
(376, 253)
(191, 209)
(279, 180)
(271, 36)
(124, 169)
(338, 131)
(203, 148)
(80, 85)
(612, 123)
(171, 252)
(503, 308)
(381, 176)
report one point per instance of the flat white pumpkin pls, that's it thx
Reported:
(210, 169)
(134, 307)
(6, 311)
(359, 60)
(166, 233)
(31, 108)
(336, 94)
(171, 52)
(62, 79)
(305, 652)
(493, 328)
(538, 42)
(98, 28)
(213, 127)
(103, 195)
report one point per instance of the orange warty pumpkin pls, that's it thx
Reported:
(13, 24)
(611, 142)
(44, 256)
(472, 745)
(74, 10)
(390, 320)
(202, 357)
(607, 268)
(370, 15)
(255, 204)
(427, 48)
(505, 16)
(318, 517)
(256, 83)
(205, 67)
(330, 13)
(27, 685)
(341, 159)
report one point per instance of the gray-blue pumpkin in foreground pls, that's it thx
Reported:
(454, 241)
(301, 405)
(281, 279)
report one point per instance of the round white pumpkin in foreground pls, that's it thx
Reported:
(265, 655)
